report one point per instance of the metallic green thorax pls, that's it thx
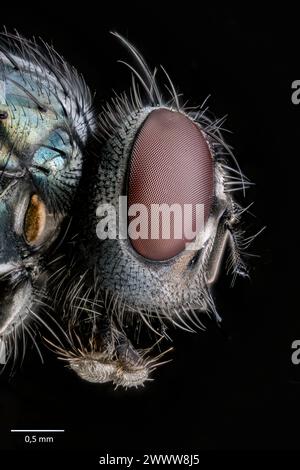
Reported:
(45, 121)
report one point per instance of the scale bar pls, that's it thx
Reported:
(37, 430)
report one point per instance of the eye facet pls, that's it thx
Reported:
(35, 220)
(170, 164)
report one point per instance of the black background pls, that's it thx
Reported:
(234, 388)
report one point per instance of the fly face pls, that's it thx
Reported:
(162, 159)
(165, 161)
(163, 155)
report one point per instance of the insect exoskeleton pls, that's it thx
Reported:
(45, 121)
(156, 218)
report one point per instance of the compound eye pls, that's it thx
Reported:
(170, 164)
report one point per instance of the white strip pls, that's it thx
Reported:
(2, 352)
(2, 92)
(6, 267)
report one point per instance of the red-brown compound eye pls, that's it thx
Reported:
(170, 164)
